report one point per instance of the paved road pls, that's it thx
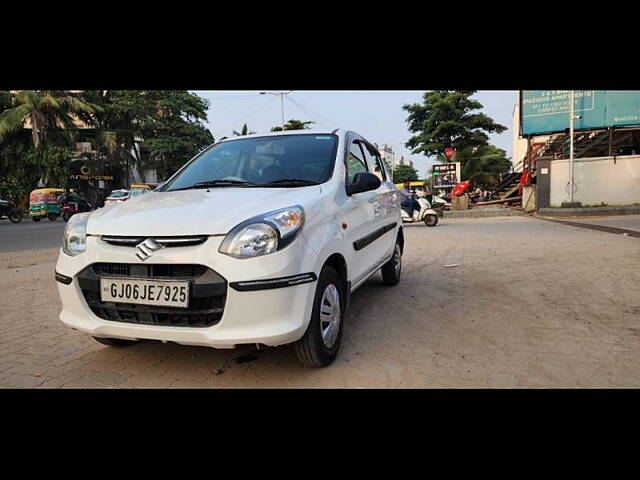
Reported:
(491, 302)
(29, 235)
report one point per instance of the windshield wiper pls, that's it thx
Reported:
(216, 183)
(290, 182)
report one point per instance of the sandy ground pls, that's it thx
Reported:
(530, 303)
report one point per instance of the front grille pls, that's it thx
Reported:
(164, 241)
(207, 294)
(148, 271)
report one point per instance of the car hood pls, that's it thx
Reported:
(193, 212)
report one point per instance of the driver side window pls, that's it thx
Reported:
(355, 161)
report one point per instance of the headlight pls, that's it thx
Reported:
(74, 239)
(264, 234)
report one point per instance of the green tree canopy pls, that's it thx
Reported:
(448, 118)
(402, 173)
(169, 124)
(127, 128)
(482, 165)
(293, 125)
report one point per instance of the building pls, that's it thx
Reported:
(388, 156)
(606, 166)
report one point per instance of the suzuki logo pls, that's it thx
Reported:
(146, 248)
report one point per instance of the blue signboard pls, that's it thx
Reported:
(547, 111)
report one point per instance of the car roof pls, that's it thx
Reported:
(313, 131)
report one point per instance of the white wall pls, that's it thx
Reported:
(598, 181)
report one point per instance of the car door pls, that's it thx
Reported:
(387, 205)
(361, 215)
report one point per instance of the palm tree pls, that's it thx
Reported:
(44, 110)
(245, 131)
(483, 165)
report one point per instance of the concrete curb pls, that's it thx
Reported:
(590, 211)
(483, 213)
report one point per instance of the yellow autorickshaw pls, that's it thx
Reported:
(43, 203)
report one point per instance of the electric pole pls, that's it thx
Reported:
(282, 96)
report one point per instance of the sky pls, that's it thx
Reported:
(376, 115)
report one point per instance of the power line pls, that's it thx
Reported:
(244, 119)
(321, 118)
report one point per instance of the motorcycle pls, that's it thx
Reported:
(426, 214)
(69, 209)
(8, 209)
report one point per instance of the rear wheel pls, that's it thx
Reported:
(66, 216)
(392, 270)
(37, 219)
(53, 217)
(321, 342)
(431, 220)
(15, 216)
(115, 342)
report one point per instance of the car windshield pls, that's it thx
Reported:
(276, 161)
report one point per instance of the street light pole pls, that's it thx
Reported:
(282, 96)
(571, 120)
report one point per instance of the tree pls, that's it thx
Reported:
(448, 118)
(403, 173)
(176, 132)
(483, 165)
(293, 125)
(43, 110)
(243, 132)
(150, 128)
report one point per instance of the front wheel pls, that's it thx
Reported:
(15, 216)
(66, 216)
(431, 220)
(37, 219)
(321, 342)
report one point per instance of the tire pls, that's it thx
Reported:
(392, 270)
(431, 220)
(52, 217)
(315, 348)
(15, 216)
(37, 219)
(66, 216)
(115, 342)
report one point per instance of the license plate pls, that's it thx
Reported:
(164, 293)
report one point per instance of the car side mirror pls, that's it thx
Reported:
(363, 182)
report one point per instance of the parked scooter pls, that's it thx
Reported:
(8, 209)
(426, 214)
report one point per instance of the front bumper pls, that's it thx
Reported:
(269, 316)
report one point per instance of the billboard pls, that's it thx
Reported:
(446, 175)
(547, 111)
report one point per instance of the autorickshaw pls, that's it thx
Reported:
(43, 203)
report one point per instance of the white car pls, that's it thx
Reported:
(257, 240)
(117, 196)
